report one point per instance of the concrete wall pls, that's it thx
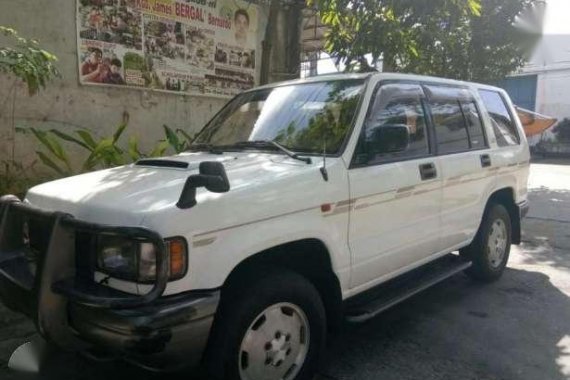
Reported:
(551, 63)
(66, 105)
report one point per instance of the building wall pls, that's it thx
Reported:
(550, 64)
(522, 90)
(66, 105)
(553, 96)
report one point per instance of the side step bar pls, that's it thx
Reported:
(383, 297)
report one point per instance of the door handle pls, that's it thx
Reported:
(428, 171)
(485, 160)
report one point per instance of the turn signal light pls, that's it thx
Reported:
(178, 258)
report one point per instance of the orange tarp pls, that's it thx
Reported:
(534, 123)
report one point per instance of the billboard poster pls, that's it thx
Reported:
(195, 47)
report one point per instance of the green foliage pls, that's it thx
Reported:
(27, 61)
(178, 140)
(463, 39)
(482, 48)
(101, 153)
(16, 178)
(562, 130)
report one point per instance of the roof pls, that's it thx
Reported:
(315, 79)
(385, 76)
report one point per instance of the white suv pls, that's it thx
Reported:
(299, 205)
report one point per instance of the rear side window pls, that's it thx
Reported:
(503, 124)
(474, 125)
(449, 126)
(456, 119)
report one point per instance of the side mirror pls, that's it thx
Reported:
(388, 138)
(212, 176)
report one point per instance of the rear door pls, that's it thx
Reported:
(395, 187)
(507, 136)
(511, 156)
(466, 162)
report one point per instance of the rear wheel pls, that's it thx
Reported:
(273, 330)
(491, 247)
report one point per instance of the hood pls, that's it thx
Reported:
(125, 195)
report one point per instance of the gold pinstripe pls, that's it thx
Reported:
(344, 206)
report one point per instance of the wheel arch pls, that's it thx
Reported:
(506, 197)
(308, 257)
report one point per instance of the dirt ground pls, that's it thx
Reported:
(517, 328)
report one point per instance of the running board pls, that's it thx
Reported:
(383, 297)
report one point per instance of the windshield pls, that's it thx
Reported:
(308, 117)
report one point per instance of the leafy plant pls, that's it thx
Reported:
(16, 178)
(27, 61)
(102, 153)
(178, 140)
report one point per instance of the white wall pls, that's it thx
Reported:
(66, 105)
(551, 62)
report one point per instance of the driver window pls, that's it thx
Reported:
(395, 128)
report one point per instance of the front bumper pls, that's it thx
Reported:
(46, 275)
(167, 335)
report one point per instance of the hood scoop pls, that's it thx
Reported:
(163, 163)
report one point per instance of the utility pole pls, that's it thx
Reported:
(281, 55)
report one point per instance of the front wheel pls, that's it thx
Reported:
(491, 247)
(274, 330)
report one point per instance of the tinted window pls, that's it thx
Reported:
(449, 125)
(396, 125)
(474, 125)
(503, 125)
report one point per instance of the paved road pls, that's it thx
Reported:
(517, 328)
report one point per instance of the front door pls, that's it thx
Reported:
(395, 187)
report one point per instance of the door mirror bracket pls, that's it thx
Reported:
(212, 176)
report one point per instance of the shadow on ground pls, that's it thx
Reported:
(546, 230)
(461, 330)
(456, 330)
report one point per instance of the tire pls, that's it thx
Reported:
(257, 330)
(490, 250)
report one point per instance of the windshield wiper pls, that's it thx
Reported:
(206, 146)
(273, 144)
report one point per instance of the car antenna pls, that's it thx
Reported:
(323, 168)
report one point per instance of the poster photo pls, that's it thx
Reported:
(195, 47)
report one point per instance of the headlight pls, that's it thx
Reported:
(132, 260)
